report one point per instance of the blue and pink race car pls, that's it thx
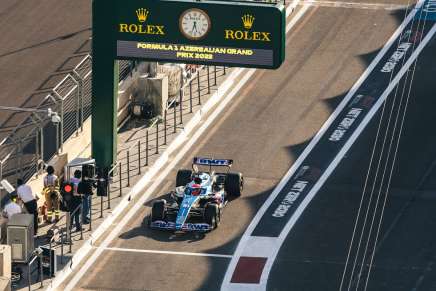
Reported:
(197, 202)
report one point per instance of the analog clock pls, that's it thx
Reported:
(194, 24)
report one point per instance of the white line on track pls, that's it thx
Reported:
(168, 252)
(353, 5)
(269, 247)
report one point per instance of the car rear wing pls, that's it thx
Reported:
(212, 162)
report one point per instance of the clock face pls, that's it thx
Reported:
(194, 24)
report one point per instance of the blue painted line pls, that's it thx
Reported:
(427, 11)
(307, 175)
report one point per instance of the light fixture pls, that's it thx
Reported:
(7, 186)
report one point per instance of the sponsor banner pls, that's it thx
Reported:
(427, 11)
(194, 53)
(307, 175)
(253, 35)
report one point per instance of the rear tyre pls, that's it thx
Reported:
(158, 210)
(183, 177)
(234, 184)
(212, 215)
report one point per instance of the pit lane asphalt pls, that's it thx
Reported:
(264, 131)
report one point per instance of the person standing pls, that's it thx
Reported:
(51, 193)
(85, 188)
(75, 200)
(26, 195)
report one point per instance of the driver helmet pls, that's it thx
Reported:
(197, 179)
(195, 190)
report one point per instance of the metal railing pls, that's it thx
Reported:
(57, 237)
(35, 139)
(141, 150)
(69, 226)
(138, 154)
(37, 255)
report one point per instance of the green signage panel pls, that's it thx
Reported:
(212, 33)
(242, 34)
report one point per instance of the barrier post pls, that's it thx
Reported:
(121, 185)
(68, 226)
(139, 157)
(175, 119)
(49, 255)
(81, 210)
(128, 168)
(190, 96)
(198, 88)
(101, 206)
(62, 246)
(108, 197)
(157, 137)
(90, 215)
(181, 105)
(41, 274)
(208, 80)
(165, 127)
(146, 148)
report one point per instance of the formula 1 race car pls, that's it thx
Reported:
(197, 202)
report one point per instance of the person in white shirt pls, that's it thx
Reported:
(26, 195)
(12, 207)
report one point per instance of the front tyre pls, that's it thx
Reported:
(158, 210)
(212, 215)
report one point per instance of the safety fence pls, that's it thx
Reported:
(36, 139)
(134, 158)
(71, 98)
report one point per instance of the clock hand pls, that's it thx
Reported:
(194, 26)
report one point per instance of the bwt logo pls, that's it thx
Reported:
(430, 6)
(212, 162)
(196, 226)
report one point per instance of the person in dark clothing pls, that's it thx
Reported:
(75, 199)
(85, 189)
(26, 195)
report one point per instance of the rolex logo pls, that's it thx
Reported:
(247, 20)
(142, 14)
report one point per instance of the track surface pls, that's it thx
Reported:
(313, 257)
(264, 131)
